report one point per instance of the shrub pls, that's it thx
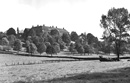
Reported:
(6, 48)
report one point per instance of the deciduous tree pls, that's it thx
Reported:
(66, 38)
(18, 45)
(11, 39)
(116, 25)
(33, 48)
(5, 41)
(50, 50)
(41, 48)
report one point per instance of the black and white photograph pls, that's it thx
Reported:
(64, 41)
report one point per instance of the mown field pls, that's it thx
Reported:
(25, 69)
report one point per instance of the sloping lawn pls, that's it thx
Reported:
(115, 76)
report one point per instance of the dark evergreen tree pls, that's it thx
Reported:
(86, 49)
(91, 38)
(66, 38)
(32, 33)
(74, 36)
(25, 33)
(11, 31)
(50, 50)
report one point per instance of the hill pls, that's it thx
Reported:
(43, 28)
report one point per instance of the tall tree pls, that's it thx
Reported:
(33, 48)
(18, 35)
(80, 49)
(1, 36)
(91, 38)
(116, 25)
(11, 31)
(25, 33)
(11, 39)
(17, 31)
(72, 48)
(66, 38)
(32, 33)
(74, 36)
(5, 41)
(62, 45)
(50, 50)
(18, 45)
(86, 49)
(54, 32)
(41, 48)
(51, 39)
(27, 45)
(83, 39)
(35, 40)
(56, 47)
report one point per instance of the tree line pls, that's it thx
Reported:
(115, 37)
(51, 42)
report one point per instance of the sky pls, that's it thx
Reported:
(74, 15)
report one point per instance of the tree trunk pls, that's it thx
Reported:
(118, 51)
(118, 56)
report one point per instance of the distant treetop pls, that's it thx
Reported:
(11, 31)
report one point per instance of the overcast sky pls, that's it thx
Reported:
(74, 15)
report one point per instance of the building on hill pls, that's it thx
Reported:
(41, 29)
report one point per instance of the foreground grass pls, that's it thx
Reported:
(115, 76)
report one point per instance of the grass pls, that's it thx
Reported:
(115, 76)
(55, 71)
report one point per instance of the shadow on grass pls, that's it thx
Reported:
(114, 76)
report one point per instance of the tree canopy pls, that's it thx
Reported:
(41, 48)
(74, 36)
(11, 31)
(116, 25)
(66, 38)
(17, 45)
